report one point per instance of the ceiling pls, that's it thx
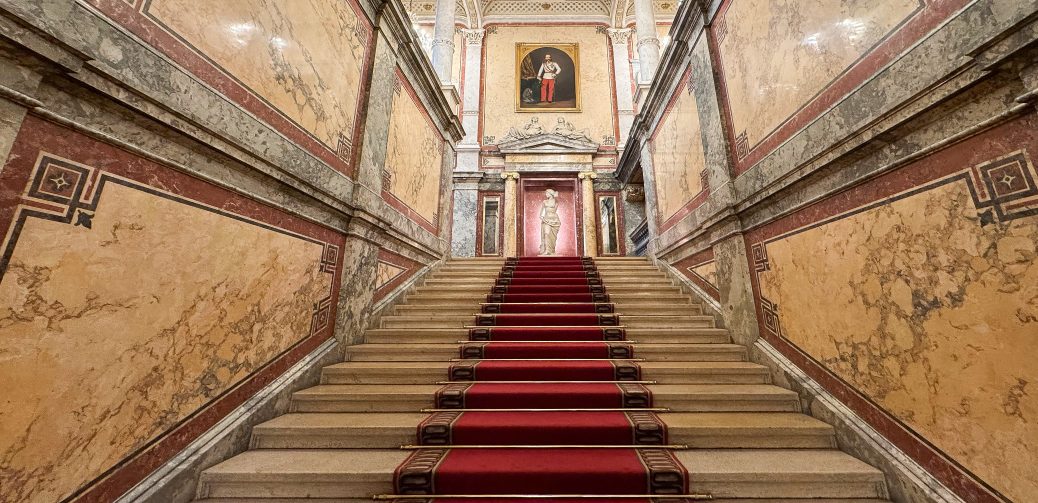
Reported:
(478, 13)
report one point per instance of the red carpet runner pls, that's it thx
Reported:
(547, 398)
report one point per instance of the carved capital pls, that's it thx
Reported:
(587, 175)
(620, 36)
(473, 37)
(510, 176)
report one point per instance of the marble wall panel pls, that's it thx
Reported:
(783, 63)
(701, 268)
(678, 161)
(392, 271)
(137, 306)
(499, 77)
(919, 290)
(413, 170)
(301, 66)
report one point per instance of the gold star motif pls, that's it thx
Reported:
(1008, 180)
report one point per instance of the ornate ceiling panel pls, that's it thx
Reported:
(474, 13)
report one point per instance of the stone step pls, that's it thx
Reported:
(440, 352)
(604, 267)
(492, 279)
(762, 473)
(475, 297)
(676, 397)
(622, 309)
(433, 372)
(692, 335)
(361, 473)
(707, 430)
(617, 288)
(445, 320)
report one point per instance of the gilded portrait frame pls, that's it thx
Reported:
(522, 50)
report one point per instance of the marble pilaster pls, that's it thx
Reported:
(511, 243)
(465, 213)
(587, 195)
(651, 210)
(619, 37)
(468, 148)
(443, 39)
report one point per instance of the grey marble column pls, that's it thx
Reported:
(443, 39)
(648, 44)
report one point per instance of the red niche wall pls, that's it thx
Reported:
(532, 196)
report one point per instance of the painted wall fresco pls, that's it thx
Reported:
(920, 290)
(785, 62)
(131, 298)
(414, 158)
(304, 61)
(499, 77)
(678, 161)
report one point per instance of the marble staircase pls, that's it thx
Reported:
(747, 438)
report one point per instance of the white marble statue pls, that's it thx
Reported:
(550, 222)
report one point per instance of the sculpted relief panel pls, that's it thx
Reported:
(306, 59)
(126, 308)
(776, 56)
(678, 160)
(926, 302)
(413, 158)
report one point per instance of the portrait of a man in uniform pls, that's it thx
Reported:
(547, 78)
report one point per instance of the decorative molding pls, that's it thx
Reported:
(648, 41)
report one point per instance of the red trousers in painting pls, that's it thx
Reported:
(547, 90)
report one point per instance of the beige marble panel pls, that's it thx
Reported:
(385, 273)
(304, 57)
(499, 113)
(778, 54)
(677, 155)
(932, 316)
(414, 155)
(707, 271)
(109, 336)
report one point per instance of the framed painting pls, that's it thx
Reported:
(547, 78)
